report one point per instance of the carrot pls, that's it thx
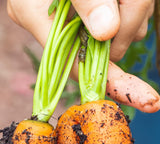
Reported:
(51, 78)
(32, 132)
(95, 122)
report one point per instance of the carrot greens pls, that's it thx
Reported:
(57, 60)
(52, 76)
(93, 68)
(52, 7)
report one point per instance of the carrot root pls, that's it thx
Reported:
(96, 122)
(33, 132)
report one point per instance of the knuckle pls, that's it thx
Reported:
(141, 34)
(120, 56)
(9, 10)
(117, 57)
(151, 9)
(146, 3)
(118, 49)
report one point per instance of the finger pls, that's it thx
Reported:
(100, 17)
(127, 89)
(142, 31)
(143, 96)
(120, 84)
(151, 9)
(132, 15)
(11, 12)
(35, 20)
(130, 90)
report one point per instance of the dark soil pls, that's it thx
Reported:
(7, 133)
(77, 129)
(127, 119)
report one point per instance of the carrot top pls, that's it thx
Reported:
(51, 78)
(54, 70)
(93, 68)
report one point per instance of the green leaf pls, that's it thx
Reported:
(53, 5)
(74, 83)
(33, 58)
(70, 97)
(33, 86)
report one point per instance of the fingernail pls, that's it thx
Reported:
(100, 19)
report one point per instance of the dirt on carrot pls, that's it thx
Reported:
(97, 122)
(33, 132)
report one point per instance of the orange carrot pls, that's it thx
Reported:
(33, 132)
(95, 122)
(51, 78)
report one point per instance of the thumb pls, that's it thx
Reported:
(101, 17)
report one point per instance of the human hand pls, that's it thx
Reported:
(102, 18)
(33, 16)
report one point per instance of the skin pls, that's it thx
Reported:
(130, 22)
(99, 122)
(130, 90)
(33, 132)
(127, 25)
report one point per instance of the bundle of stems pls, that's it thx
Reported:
(54, 70)
(93, 69)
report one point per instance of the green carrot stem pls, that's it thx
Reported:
(91, 44)
(93, 86)
(54, 79)
(57, 33)
(46, 113)
(59, 40)
(36, 98)
(95, 60)
(81, 72)
(60, 18)
(87, 94)
(104, 80)
(100, 68)
(53, 46)
(88, 65)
